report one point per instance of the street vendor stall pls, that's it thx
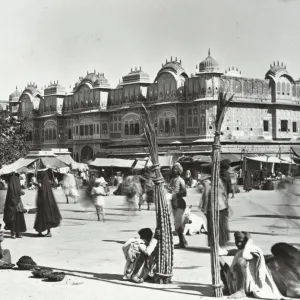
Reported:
(19, 165)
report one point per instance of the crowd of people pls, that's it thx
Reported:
(251, 273)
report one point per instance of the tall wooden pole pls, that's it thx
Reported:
(214, 236)
(223, 103)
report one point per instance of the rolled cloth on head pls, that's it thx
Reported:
(239, 235)
(179, 167)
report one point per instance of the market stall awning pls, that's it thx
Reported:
(17, 166)
(53, 163)
(164, 161)
(271, 159)
(67, 159)
(112, 162)
(231, 157)
(296, 150)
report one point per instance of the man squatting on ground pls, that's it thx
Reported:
(252, 274)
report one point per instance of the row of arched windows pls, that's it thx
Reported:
(283, 88)
(50, 134)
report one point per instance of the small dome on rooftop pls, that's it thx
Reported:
(209, 65)
(15, 95)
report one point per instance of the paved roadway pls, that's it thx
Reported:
(90, 251)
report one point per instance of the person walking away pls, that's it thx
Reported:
(98, 194)
(69, 186)
(48, 215)
(177, 191)
(13, 216)
(248, 181)
(224, 188)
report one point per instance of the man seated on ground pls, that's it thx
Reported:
(248, 274)
(5, 257)
(140, 256)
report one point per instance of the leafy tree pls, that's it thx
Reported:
(12, 138)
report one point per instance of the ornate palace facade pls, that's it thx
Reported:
(95, 119)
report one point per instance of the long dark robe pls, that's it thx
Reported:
(13, 208)
(248, 181)
(48, 215)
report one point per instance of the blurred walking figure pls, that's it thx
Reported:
(248, 183)
(132, 189)
(98, 193)
(188, 178)
(69, 186)
(48, 215)
(13, 208)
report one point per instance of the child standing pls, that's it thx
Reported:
(97, 194)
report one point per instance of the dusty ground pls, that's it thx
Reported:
(90, 251)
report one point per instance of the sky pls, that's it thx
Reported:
(50, 40)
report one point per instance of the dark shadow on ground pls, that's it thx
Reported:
(196, 289)
(114, 241)
(187, 268)
(275, 217)
(92, 211)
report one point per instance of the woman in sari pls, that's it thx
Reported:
(13, 208)
(48, 215)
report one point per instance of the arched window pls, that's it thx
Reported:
(131, 128)
(259, 88)
(50, 134)
(294, 90)
(173, 125)
(288, 89)
(46, 134)
(167, 126)
(237, 86)
(126, 129)
(278, 87)
(283, 88)
(137, 128)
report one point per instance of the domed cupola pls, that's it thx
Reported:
(15, 96)
(102, 82)
(233, 72)
(209, 65)
(278, 70)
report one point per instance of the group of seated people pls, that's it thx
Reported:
(251, 273)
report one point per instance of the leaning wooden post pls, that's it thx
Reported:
(163, 221)
(214, 216)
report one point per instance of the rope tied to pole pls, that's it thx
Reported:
(216, 147)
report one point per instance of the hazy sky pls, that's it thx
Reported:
(46, 40)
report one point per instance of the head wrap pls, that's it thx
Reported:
(146, 234)
(239, 236)
(179, 167)
(225, 164)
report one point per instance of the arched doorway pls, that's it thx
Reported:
(86, 154)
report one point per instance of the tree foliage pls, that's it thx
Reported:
(12, 138)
